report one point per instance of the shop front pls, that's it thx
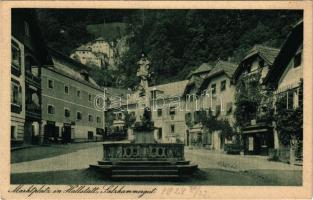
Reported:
(258, 139)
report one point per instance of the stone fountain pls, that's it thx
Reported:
(144, 158)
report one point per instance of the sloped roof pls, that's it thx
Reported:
(83, 48)
(70, 68)
(204, 67)
(100, 39)
(221, 67)
(194, 82)
(171, 89)
(292, 45)
(267, 53)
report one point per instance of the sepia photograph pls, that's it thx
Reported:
(143, 97)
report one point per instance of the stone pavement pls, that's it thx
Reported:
(81, 159)
(211, 159)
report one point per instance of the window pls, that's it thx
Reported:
(50, 84)
(98, 119)
(15, 55)
(197, 117)
(78, 115)
(223, 85)
(90, 135)
(297, 60)
(78, 93)
(89, 97)
(159, 133)
(16, 94)
(172, 111)
(290, 99)
(213, 88)
(261, 63)
(51, 109)
(159, 112)
(217, 110)
(90, 118)
(13, 132)
(172, 128)
(66, 89)
(67, 112)
(26, 26)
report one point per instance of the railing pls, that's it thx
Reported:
(32, 110)
(132, 152)
(32, 79)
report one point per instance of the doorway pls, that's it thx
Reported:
(66, 134)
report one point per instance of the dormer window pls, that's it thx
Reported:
(261, 63)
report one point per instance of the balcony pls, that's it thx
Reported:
(31, 79)
(33, 111)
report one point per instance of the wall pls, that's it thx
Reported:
(18, 119)
(291, 75)
(71, 101)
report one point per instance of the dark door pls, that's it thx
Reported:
(66, 135)
(187, 138)
(49, 130)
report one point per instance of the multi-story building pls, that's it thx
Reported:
(28, 56)
(99, 53)
(84, 55)
(285, 78)
(253, 99)
(214, 92)
(168, 111)
(69, 112)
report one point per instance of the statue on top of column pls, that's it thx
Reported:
(143, 72)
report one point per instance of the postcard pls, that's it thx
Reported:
(156, 100)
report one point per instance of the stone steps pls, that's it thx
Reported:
(145, 177)
(144, 172)
(134, 162)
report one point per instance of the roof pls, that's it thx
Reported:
(204, 67)
(70, 68)
(194, 82)
(221, 67)
(83, 48)
(290, 47)
(171, 89)
(100, 39)
(268, 54)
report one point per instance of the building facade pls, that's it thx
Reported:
(68, 102)
(286, 80)
(212, 93)
(99, 53)
(28, 56)
(254, 100)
